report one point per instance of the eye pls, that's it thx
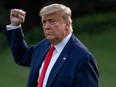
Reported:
(52, 21)
(43, 22)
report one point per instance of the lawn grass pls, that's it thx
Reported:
(11, 75)
(103, 47)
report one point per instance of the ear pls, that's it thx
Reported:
(67, 25)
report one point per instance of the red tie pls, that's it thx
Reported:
(46, 63)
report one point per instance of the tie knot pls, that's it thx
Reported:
(52, 48)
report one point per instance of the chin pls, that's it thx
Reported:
(50, 38)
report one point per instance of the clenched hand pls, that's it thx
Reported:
(17, 16)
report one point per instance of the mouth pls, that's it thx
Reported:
(48, 33)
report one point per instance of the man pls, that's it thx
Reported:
(71, 65)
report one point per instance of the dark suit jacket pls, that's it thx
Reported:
(75, 67)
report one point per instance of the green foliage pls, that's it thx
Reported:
(95, 23)
(4, 18)
(34, 36)
(3, 42)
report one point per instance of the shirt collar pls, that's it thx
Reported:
(59, 47)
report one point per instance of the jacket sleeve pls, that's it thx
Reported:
(19, 48)
(87, 75)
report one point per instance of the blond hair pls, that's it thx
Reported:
(64, 11)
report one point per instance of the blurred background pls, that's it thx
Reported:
(94, 23)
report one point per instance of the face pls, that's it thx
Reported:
(54, 27)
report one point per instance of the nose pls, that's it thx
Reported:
(47, 25)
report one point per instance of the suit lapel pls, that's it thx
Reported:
(59, 63)
(56, 68)
(37, 61)
(40, 57)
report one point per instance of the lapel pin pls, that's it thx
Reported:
(64, 58)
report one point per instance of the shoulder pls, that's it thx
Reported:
(80, 51)
(43, 43)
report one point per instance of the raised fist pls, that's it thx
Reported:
(17, 16)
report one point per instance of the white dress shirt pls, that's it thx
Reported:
(10, 27)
